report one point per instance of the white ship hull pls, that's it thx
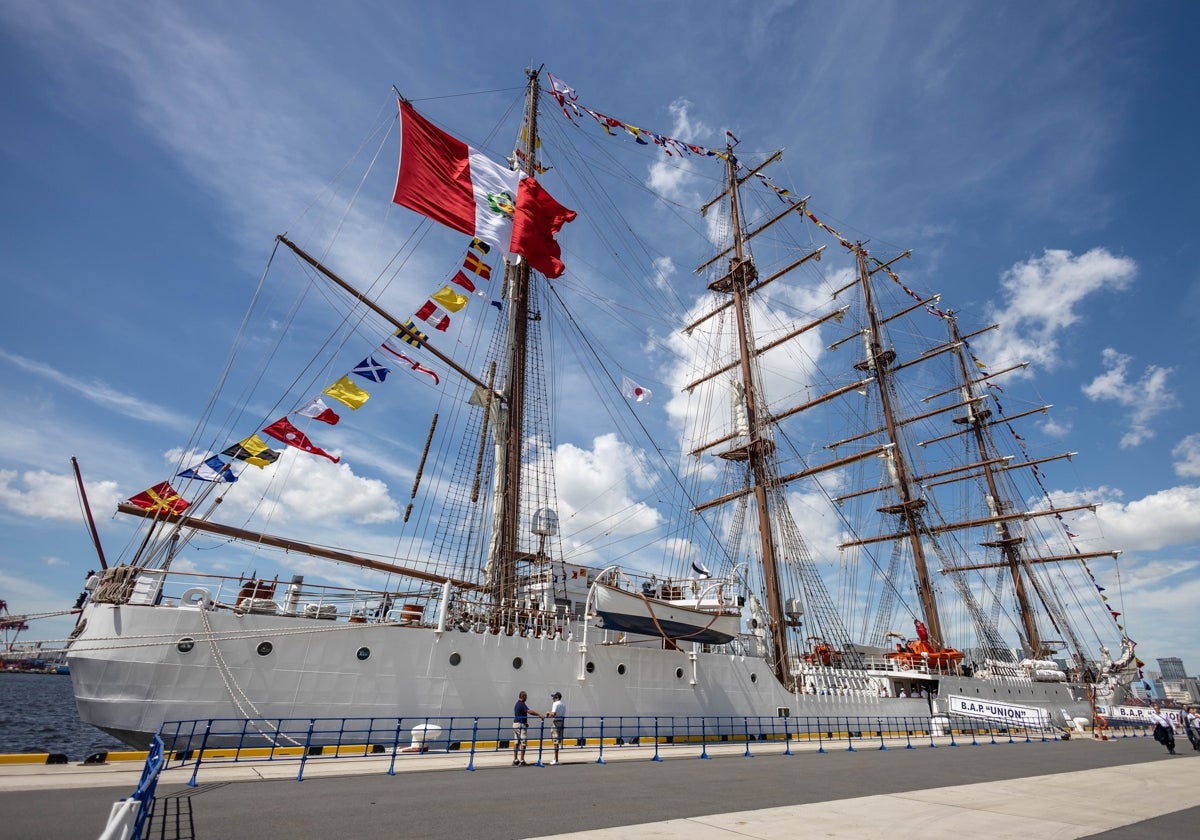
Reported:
(128, 681)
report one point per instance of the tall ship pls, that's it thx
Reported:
(823, 506)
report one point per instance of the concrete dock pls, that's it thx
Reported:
(1124, 788)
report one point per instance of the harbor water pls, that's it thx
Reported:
(38, 714)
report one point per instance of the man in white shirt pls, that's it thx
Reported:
(557, 713)
(1164, 732)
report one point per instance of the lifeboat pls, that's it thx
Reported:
(917, 652)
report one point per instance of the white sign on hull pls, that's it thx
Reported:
(993, 710)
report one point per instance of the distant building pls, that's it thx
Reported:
(1172, 669)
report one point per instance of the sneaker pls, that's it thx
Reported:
(523, 764)
(515, 762)
(552, 763)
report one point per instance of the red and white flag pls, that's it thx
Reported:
(317, 410)
(283, 430)
(445, 179)
(633, 391)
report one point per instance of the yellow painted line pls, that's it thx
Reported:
(24, 758)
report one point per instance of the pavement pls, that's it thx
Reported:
(1121, 788)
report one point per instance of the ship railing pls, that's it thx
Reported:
(389, 741)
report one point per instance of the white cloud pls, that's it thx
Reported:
(1042, 298)
(1187, 457)
(1167, 518)
(1146, 398)
(44, 495)
(598, 491)
(99, 393)
(314, 490)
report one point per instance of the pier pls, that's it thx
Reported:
(939, 788)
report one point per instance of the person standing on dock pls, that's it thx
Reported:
(1164, 732)
(558, 711)
(521, 713)
(1191, 725)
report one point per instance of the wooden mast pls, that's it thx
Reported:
(506, 548)
(760, 448)
(910, 508)
(1005, 540)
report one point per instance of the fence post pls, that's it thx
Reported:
(746, 730)
(200, 754)
(471, 759)
(849, 737)
(657, 757)
(882, 745)
(703, 737)
(600, 758)
(787, 738)
(820, 734)
(312, 722)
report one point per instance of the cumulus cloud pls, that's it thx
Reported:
(1167, 518)
(598, 491)
(1187, 456)
(1042, 297)
(45, 495)
(1145, 399)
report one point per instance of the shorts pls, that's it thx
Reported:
(520, 732)
(556, 734)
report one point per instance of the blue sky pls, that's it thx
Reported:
(1038, 157)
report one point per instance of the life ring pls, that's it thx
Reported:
(197, 596)
(1101, 722)
(905, 665)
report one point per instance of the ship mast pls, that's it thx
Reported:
(1006, 540)
(509, 424)
(910, 508)
(759, 450)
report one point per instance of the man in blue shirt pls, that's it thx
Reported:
(521, 713)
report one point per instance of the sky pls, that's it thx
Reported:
(1038, 157)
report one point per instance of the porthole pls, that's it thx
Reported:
(185, 644)
(621, 668)
(754, 678)
(591, 666)
(455, 658)
(517, 663)
(363, 653)
(265, 648)
(678, 673)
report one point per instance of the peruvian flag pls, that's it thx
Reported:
(450, 182)
(445, 179)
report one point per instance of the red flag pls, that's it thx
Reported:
(538, 218)
(161, 498)
(282, 429)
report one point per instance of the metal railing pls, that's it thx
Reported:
(389, 740)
